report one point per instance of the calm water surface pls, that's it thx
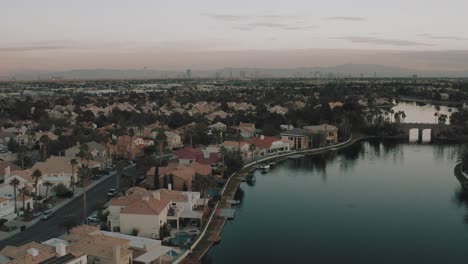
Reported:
(422, 113)
(371, 203)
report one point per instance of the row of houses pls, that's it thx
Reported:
(87, 244)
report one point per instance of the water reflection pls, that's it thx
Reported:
(461, 199)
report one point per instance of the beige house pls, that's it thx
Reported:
(298, 139)
(98, 247)
(330, 132)
(35, 253)
(100, 153)
(58, 169)
(146, 216)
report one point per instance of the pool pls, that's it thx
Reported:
(172, 253)
(181, 239)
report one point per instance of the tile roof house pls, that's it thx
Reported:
(99, 152)
(298, 139)
(99, 247)
(268, 145)
(246, 130)
(147, 215)
(35, 253)
(57, 169)
(188, 155)
(330, 132)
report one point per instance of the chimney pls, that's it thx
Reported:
(7, 172)
(61, 250)
(33, 252)
(116, 254)
(169, 186)
(262, 137)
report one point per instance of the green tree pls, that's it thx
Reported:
(73, 163)
(161, 141)
(84, 174)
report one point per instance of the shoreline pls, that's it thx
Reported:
(215, 225)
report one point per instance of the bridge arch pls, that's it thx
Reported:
(426, 135)
(413, 134)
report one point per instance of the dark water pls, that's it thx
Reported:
(371, 203)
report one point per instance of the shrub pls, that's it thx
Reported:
(62, 191)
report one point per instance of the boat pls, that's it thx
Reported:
(272, 164)
(265, 166)
(250, 178)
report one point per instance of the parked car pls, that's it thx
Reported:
(111, 193)
(93, 218)
(46, 215)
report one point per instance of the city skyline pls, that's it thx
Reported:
(53, 35)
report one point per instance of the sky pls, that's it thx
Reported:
(205, 34)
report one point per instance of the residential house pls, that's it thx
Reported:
(35, 253)
(277, 109)
(333, 105)
(25, 181)
(298, 139)
(147, 215)
(217, 126)
(188, 155)
(246, 130)
(6, 155)
(268, 145)
(99, 153)
(235, 145)
(174, 140)
(98, 247)
(221, 114)
(330, 132)
(58, 169)
(5, 137)
(241, 106)
(152, 205)
(7, 209)
(5, 169)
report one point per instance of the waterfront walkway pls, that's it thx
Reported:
(215, 224)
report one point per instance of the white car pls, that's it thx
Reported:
(46, 215)
(111, 193)
(93, 218)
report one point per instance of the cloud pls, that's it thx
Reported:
(270, 25)
(346, 18)
(226, 17)
(430, 36)
(381, 41)
(31, 48)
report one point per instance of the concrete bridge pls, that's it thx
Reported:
(422, 132)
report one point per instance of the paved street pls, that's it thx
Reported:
(54, 227)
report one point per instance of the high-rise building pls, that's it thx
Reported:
(189, 73)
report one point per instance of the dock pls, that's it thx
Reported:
(229, 213)
(297, 156)
(233, 202)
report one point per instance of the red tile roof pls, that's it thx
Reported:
(196, 155)
(264, 143)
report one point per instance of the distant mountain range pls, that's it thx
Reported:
(345, 70)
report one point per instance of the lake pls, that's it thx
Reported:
(375, 202)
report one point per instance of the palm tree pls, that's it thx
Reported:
(114, 143)
(15, 182)
(436, 115)
(22, 152)
(45, 145)
(83, 174)
(47, 185)
(450, 111)
(223, 152)
(36, 175)
(23, 194)
(73, 163)
(161, 140)
(202, 184)
(252, 149)
(31, 135)
(120, 168)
